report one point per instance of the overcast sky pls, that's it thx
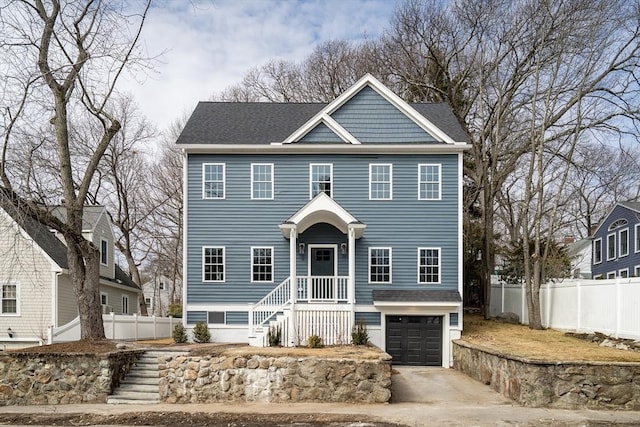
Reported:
(208, 45)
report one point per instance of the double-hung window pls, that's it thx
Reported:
(380, 181)
(125, 304)
(262, 181)
(320, 179)
(597, 251)
(637, 233)
(623, 236)
(213, 264)
(429, 182)
(9, 295)
(379, 265)
(262, 264)
(213, 180)
(428, 265)
(611, 246)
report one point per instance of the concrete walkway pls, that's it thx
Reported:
(421, 397)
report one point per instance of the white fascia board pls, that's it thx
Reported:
(436, 304)
(279, 148)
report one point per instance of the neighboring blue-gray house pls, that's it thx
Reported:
(616, 243)
(314, 217)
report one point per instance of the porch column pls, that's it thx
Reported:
(351, 294)
(293, 253)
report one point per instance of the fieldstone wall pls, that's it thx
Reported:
(206, 379)
(566, 385)
(58, 378)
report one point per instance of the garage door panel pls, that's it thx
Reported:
(414, 340)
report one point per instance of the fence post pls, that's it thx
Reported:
(135, 326)
(113, 325)
(50, 334)
(170, 325)
(155, 327)
(523, 298)
(618, 306)
(578, 306)
(548, 305)
(502, 296)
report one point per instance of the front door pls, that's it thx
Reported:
(322, 271)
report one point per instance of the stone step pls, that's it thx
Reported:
(137, 388)
(148, 373)
(137, 396)
(111, 400)
(141, 380)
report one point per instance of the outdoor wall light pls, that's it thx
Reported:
(343, 248)
(301, 247)
(10, 332)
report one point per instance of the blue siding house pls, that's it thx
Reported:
(616, 243)
(314, 217)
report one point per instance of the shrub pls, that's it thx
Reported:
(274, 336)
(359, 334)
(179, 333)
(201, 332)
(314, 341)
(174, 310)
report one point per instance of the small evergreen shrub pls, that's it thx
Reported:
(201, 332)
(179, 333)
(359, 334)
(174, 310)
(274, 336)
(314, 341)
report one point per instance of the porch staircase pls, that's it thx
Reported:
(141, 383)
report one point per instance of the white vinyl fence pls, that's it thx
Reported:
(608, 306)
(119, 327)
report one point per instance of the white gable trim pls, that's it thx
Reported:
(386, 93)
(322, 117)
(322, 208)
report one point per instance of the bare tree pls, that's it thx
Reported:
(62, 61)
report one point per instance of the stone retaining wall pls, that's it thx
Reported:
(566, 385)
(58, 378)
(206, 379)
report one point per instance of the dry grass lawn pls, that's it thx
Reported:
(548, 345)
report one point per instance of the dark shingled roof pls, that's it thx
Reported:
(399, 295)
(635, 206)
(264, 123)
(48, 241)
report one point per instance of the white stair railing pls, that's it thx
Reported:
(264, 310)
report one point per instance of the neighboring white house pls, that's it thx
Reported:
(579, 252)
(157, 295)
(35, 287)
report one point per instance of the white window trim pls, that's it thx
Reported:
(636, 271)
(272, 264)
(17, 313)
(106, 253)
(390, 265)
(122, 308)
(272, 181)
(598, 277)
(620, 254)
(390, 165)
(224, 264)
(637, 237)
(224, 181)
(106, 298)
(420, 165)
(615, 244)
(611, 273)
(623, 270)
(333, 188)
(439, 266)
(594, 251)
